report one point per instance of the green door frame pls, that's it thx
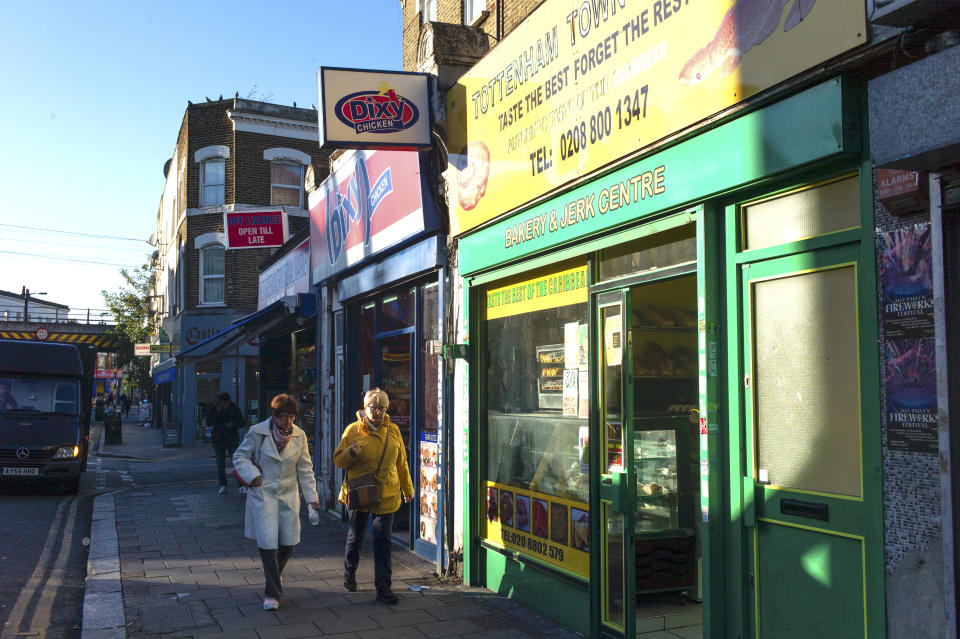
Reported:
(740, 607)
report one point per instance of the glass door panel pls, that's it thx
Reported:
(616, 490)
(396, 379)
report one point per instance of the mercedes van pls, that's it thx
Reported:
(43, 427)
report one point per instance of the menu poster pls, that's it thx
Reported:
(571, 380)
(910, 380)
(613, 340)
(429, 452)
(906, 281)
(583, 408)
(571, 335)
(583, 338)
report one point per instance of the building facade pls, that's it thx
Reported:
(233, 193)
(703, 302)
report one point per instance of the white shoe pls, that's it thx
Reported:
(222, 490)
(269, 603)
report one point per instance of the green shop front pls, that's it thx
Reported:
(673, 411)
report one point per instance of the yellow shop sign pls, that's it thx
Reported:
(548, 291)
(583, 83)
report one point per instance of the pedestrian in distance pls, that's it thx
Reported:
(373, 444)
(125, 404)
(225, 421)
(274, 460)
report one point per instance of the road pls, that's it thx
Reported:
(44, 537)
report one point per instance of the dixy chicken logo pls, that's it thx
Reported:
(380, 111)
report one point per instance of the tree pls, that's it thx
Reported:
(130, 306)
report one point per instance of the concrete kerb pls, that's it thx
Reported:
(103, 616)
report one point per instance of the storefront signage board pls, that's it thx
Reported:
(141, 350)
(795, 131)
(373, 109)
(550, 291)
(372, 202)
(290, 275)
(551, 529)
(579, 85)
(255, 229)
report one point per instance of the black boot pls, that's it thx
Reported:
(386, 596)
(349, 582)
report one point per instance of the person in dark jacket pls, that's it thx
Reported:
(225, 421)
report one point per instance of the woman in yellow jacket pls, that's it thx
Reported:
(359, 453)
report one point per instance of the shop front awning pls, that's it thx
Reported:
(165, 371)
(251, 326)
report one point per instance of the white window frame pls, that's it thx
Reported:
(204, 277)
(299, 188)
(473, 10)
(428, 11)
(204, 184)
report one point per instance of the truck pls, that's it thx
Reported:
(44, 423)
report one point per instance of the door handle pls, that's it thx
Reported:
(607, 480)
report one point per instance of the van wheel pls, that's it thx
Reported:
(72, 487)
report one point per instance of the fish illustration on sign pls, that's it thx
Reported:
(745, 25)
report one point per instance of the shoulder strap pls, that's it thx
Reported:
(386, 442)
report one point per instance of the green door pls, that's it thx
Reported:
(812, 531)
(614, 589)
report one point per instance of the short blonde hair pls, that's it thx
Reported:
(383, 400)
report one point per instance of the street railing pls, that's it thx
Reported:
(73, 316)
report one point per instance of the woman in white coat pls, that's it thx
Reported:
(273, 460)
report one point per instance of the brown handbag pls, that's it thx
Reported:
(364, 492)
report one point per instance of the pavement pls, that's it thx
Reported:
(170, 560)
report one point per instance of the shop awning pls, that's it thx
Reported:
(165, 371)
(252, 325)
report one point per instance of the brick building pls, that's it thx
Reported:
(231, 156)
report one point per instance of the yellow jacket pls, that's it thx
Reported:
(394, 474)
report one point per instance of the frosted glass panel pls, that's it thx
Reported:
(807, 408)
(804, 214)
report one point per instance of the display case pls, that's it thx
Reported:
(665, 447)
(550, 364)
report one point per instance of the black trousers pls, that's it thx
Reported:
(221, 452)
(382, 524)
(274, 561)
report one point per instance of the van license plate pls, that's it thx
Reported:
(21, 471)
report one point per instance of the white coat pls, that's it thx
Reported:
(273, 508)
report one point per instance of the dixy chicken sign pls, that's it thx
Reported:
(391, 110)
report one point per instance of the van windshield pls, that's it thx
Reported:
(38, 394)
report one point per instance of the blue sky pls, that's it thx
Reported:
(91, 99)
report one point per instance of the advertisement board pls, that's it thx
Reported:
(579, 85)
(255, 229)
(141, 350)
(373, 109)
(287, 276)
(372, 202)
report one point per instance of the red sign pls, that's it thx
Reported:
(255, 229)
(372, 202)
(42, 334)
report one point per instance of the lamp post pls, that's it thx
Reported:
(26, 298)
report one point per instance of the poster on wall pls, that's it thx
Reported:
(906, 282)
(429, 453)
(612, 340)
(571, 380)
(910, 380)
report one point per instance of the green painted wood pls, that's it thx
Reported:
(808, 127)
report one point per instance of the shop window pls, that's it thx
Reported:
(212, 275)
(660, 250)
(827, 208)
(212, 181)
(398, 311)
(286, 184)
(537, 409)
